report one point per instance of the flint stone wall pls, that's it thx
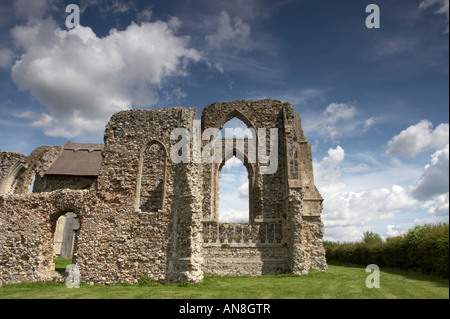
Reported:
(149, 216)
(281, 239)
(10, 165)
(17, 171)
(114, 244)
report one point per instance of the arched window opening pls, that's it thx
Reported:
(64, 239)
(151, 188)
(234, 203)
(235, 128)
(233, 178)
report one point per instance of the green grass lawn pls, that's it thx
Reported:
(61, 263)
(340, 282)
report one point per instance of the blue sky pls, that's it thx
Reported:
(373, 102)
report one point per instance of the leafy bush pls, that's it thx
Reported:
(395, 252)
(371, 238)
(432, 253)
(424, 247)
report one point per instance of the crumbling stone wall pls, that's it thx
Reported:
(115, 244)
(27, 223)
(11, 166)
(281, 239)
(150, 216)
(128, 137)
(17, 171)
(304, 202)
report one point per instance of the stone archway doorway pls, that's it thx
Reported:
(64, 241)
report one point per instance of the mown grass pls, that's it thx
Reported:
(61, 263)
(340, 282)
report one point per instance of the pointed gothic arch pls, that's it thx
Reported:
(9, 182)
(251, 182)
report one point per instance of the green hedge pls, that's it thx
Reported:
(425, 248)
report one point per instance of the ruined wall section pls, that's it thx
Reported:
(260, 246)
(38, 162)
(185, 248)
(119, 241)
(114, 244)
(304, 202)
(11, 166)
(126, 171)
(126, 135)
(17, 171)
(117, 244)
(27, 224)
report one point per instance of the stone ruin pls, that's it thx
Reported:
(140, 213)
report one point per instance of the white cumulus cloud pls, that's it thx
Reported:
(234, 215)
(439, 207)
(336, 121)
(353, 204)
(435, 178)
(83, 79)
(336, 155)
(417, 138)
(327, 171)
(243, 190)
(394, 230)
